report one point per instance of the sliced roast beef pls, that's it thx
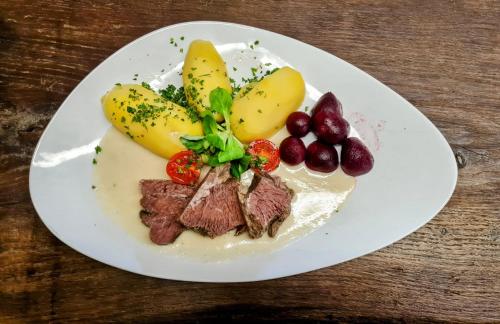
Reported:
(266, 204)
(162, 202)
(215, 208)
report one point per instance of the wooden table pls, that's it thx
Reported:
(443, 56)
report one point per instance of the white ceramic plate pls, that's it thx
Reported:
(414, 175)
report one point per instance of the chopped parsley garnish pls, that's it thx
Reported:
(182, 38)
(98, 149)
(257, 75)
(145, 112)
(246, 90)
(93, 187)
(118, 84)
(241, 121)
(145, 85)
(178, 96)
(235, 69)
(94, 161)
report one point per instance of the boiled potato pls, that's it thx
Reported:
(261, 109)
(203, 71)
(148, 119)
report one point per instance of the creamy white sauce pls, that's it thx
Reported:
(123, 163)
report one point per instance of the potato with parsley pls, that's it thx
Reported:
(203, 71)
(260, 109)
(149, 119)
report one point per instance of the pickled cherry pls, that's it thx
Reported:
(330, 128)
(292, 150)
(298, 124)
(355, 158)
(328, 103)
(321, 157)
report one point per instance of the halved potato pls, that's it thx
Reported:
(203, 71)
(261, 109)
(148, 119)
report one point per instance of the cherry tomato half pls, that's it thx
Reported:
(184, 167)
(267, 151)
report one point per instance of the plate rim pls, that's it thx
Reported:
(147, 272)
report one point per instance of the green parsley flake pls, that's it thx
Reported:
(94, 161)
(98, 149)
(178, 96)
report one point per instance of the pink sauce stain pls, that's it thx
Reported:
(368, 132)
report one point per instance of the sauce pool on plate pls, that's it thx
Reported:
(123, 163)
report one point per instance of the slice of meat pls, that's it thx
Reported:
(162, 202)
(266, 204)
(215, 208)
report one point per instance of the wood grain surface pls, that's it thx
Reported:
(443, 56)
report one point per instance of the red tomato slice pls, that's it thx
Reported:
(265, 149)
(184, 167)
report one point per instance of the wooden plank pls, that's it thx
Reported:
(443, 56)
